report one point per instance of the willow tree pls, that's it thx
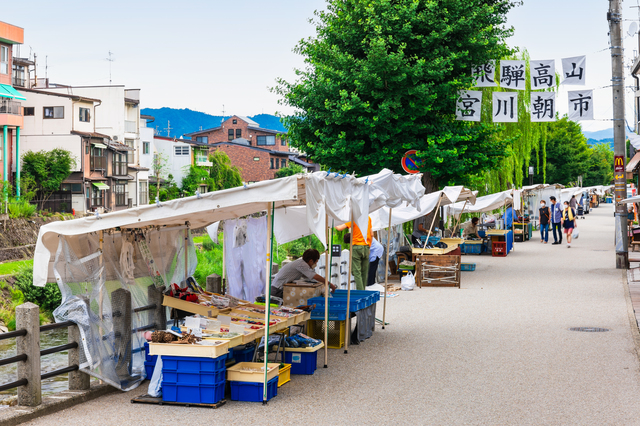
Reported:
(383, 77)
(526, 139)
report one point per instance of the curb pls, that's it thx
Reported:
(633, 323)
(52, 404)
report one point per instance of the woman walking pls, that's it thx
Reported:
(568, 221)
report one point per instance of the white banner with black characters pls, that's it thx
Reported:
(512, 74)
(543, 106)
(574, 70)
(580, 105)
(505, 107)
(543, 74)
(469, 105)
(485, 75)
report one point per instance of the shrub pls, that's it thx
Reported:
(21, 209)
(48, 298)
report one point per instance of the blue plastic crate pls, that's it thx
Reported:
(202, 378)
(190, 364)
(467, 266)
(370, 297)
(147, 357)
(334, 315)
(339, 302)
(302, 362)
(149, 367)
(193, 394)
(471, 248)
(250, 391)
(244, 355)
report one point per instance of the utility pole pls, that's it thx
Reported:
(614, 16)
(110, 59)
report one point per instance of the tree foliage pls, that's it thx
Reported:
(47, 169)
(223, 173)
(290, 170)
(599, 171)
(197, 176)
(383, 76)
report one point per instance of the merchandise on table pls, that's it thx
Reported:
(303, 360)
(301, 341)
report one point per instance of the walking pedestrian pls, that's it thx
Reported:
(375, 254)
(360, 268)
(556, 220)
(568, 221)
(573, 203)
(544, 222)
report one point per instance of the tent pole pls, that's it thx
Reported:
(348, 336)
(186, 255)
(223, 290)
(386, 273)
(433, 221)
(326, 292)
(459, 218)
(101, 263)
(267, 307)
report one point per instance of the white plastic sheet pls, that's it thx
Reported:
(245, 265)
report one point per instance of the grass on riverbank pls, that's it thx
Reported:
(12, 268)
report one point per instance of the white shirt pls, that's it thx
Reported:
(376, 250)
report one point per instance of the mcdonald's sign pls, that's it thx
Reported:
(618, 164)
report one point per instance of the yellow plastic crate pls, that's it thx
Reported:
(337, 332)
(285, 375)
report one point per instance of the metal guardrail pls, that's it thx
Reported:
(8, 106)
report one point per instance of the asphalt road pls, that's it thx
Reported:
(498, 351)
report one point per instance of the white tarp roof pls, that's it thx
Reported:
(634, 199)
(486, 203)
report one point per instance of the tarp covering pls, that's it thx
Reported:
(486, 203)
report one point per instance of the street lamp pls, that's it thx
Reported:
(530, 175)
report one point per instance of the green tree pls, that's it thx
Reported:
(197, 176)
(46, 170)
(567, 153)
(599, 170)
(223, 173)
(159, 166)
(290, 170)
(383, 76)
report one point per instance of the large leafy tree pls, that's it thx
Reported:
(382, 77)
(47, 169)
(599, 170)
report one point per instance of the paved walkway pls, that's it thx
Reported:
(496, 352)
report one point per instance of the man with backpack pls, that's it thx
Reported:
(556, 221)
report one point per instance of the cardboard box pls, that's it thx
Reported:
(297, 294)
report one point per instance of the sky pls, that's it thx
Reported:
(214, 56)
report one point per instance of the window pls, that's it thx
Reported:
(75, 188)
(238, 133)
(28, 111)
(203, 139)
(265, 140)
(145, 147)
(131, 159)
(98, 158)
(144, 193)
(283, 163)
(277, 163)
(85, 116)
(202, 156)
(119, 164)
(53, 112)
(203, 189)
(97, 197)
(256, 158)
(235, 121)
(181, 150)
(272, 163)
(283, 141)
(230, 134)
(120, 190)
(86, 149)
(4, 60)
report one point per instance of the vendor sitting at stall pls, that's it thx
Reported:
(470, 229)
(299, 268)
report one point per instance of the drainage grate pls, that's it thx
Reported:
(589, 329)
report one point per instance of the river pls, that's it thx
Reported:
(48, 339)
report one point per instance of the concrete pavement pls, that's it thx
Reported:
(498, 351)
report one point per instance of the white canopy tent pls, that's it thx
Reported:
(339, 197)
(485, 203)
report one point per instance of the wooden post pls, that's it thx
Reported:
(433, 221)
(267, 293)
(28, 318)
(186, 254)
(347, 339)
(453, 235)
(386, 273)
(224, 269)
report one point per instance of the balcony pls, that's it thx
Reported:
(8, 106)
(130, 126)
(98, 163)
(203, 163)
(120, 168)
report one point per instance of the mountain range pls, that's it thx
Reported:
(174, 122)
(178, 122)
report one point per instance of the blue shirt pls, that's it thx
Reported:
(376, 250)
(556, 213)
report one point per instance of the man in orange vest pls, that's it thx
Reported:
(360, 268)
